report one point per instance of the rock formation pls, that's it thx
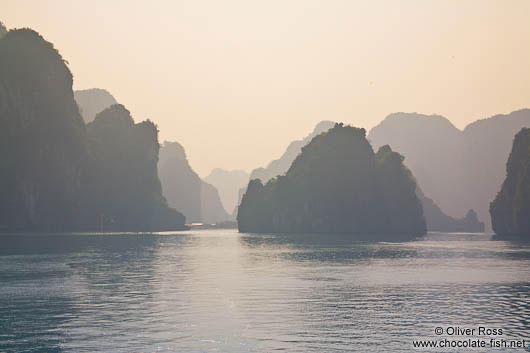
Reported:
(228, 183)
(93, 101)
(54, 174)
(184, 189)
(42, 137)
(180, 184)
(459, 170)
(128, 194)
(279, 166)
(510, 211)
(337, 184)
(438, 221)
(212, 209)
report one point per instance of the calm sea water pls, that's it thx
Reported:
(220, 291)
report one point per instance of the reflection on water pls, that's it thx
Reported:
(217, 290)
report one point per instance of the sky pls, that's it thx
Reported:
(235, 81)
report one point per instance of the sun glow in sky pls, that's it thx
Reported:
(236, 81)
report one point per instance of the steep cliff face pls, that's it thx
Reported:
(488, 145)
(180, 184)
(199, 201)
(337, 184)
(459, 170)
(510, 211)
(56, 175)
(211, 207)
(404, 212)
(128, 194)
(93, 101)
(184, 189)
(432, 146)
(42, 136)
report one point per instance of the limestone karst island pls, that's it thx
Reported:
(246, 176)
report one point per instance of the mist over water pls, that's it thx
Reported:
(218, 290)
(168, 183)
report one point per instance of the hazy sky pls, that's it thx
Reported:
(236, 81)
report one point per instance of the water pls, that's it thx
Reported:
(220, 291)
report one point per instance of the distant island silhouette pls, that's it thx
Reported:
(338, 185)
(281, 165)
(436, 219)
(58, 174)
(93, 101)
(510, 210)
(458, 169)
(228, 183)
(198, 200)
(78, 161)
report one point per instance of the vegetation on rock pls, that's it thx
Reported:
(337, 184)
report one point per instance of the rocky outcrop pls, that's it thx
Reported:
(438, 221)
(42, 137)
(180, 184)
(212, 209)
(184, 189)
(57, 175)
(128, 194)
(279, 166)
(510, 211)
(93, 101)
(337, 184)
(459, 170)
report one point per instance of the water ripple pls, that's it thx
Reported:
(220, 291)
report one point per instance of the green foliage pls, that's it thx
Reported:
(336, 184)
(510, 211)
